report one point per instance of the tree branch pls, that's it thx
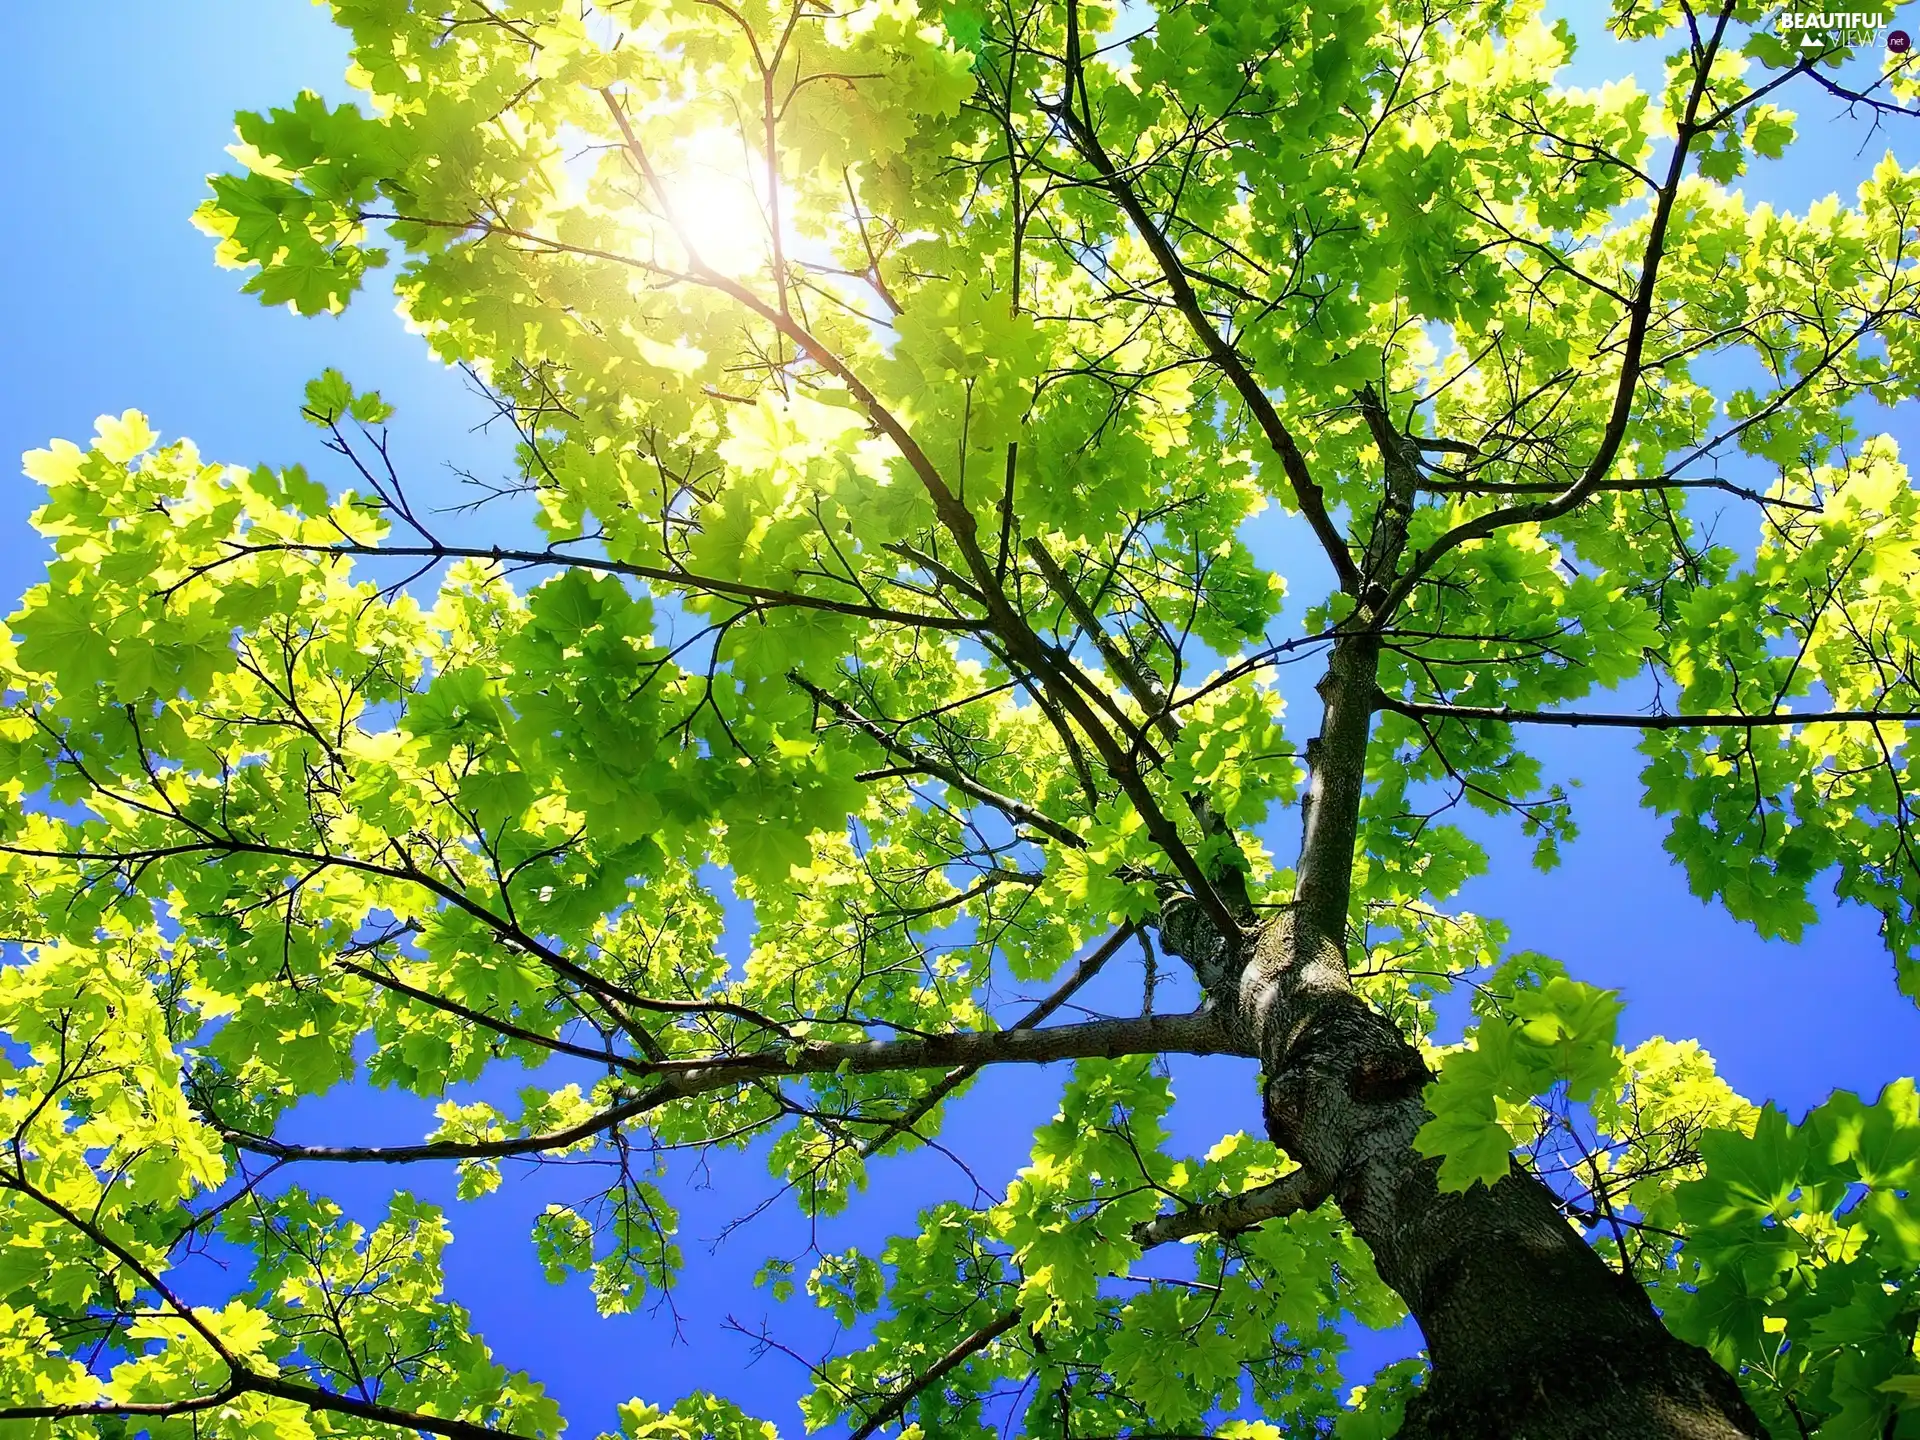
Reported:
(1291, 1194)
(240, 1378)
(668, 575)
(1139, 684)
(1288, 1195)
(1308, 496)
(1017, 811)
(503, 1028)
(1629, 484)
(1198, 1032)
(1640, 319)
(960, 1074)
(891, 1408)
(504, 928)
(1729, 721)
(248, 1382)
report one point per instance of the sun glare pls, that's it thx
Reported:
(719, 202)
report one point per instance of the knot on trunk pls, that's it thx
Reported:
(1389, 1075)
(1188, 933)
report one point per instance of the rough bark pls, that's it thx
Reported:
(1530, 1334)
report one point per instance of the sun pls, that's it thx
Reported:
(715, 202)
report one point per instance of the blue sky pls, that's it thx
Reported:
(117, 110)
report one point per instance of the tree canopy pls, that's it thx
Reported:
(895, 389)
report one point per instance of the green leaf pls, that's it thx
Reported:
(331, 400)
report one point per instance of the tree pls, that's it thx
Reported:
(894, 389)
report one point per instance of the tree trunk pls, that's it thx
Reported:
(1530, 1334)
